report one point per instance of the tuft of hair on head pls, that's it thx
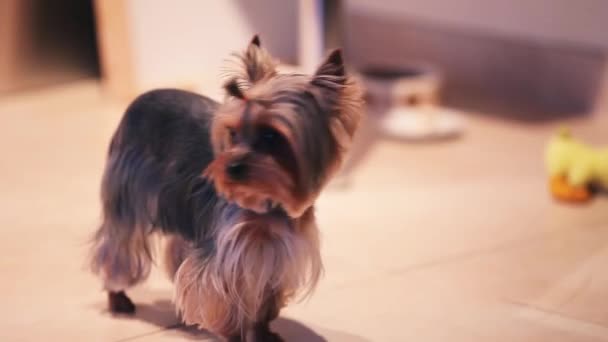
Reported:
(257, 62)
(252, 65)
(256, 41)
(233, 89)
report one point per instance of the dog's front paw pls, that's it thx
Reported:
(269, 336)
(119, 303)
(263, 334)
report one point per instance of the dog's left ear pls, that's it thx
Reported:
(257, 62)
(331, 70)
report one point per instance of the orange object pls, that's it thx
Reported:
(561, 190)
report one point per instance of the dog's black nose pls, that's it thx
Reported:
(237, 170)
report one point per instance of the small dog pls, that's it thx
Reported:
(232, 185)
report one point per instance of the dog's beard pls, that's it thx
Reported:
(255, 257)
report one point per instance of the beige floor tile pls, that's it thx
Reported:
(450, 241)
(291, 330)
(433, 306)
(559, 272)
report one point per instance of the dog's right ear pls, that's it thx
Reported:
(257, 62)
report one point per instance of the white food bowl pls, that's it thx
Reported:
(411, 94)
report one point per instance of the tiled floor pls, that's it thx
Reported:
(428, 242)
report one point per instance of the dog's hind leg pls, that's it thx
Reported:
(121, 253)
(122, 258)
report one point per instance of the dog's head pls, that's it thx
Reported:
(278, 138)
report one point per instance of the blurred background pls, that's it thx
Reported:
(544, 54)
(440, 227)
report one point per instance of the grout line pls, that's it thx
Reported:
(461, 256)
(154, 332)
(465, 255)
(559, 320)
(447, 259)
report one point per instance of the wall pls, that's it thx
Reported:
(549, 53)
(580, 22)
(189, 40)
(44, 43)
(530, 56)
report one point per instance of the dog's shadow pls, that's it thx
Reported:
(161, 313)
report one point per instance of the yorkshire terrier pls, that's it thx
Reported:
(232, 186)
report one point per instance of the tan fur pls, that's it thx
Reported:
(350, 110)
(257, 258)
(343, 128)
(271, 182)
(263, 87)
(343, 125)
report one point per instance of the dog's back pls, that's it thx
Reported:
(152, 181)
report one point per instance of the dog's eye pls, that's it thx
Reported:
(269, 136)
(231, 133)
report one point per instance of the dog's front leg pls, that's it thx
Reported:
(260, 331)
(257, 333)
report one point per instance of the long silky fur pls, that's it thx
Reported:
(251, 262)
(121, 263)
(176, 251)
(121, 253)
(232, 268)
(319, 113)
